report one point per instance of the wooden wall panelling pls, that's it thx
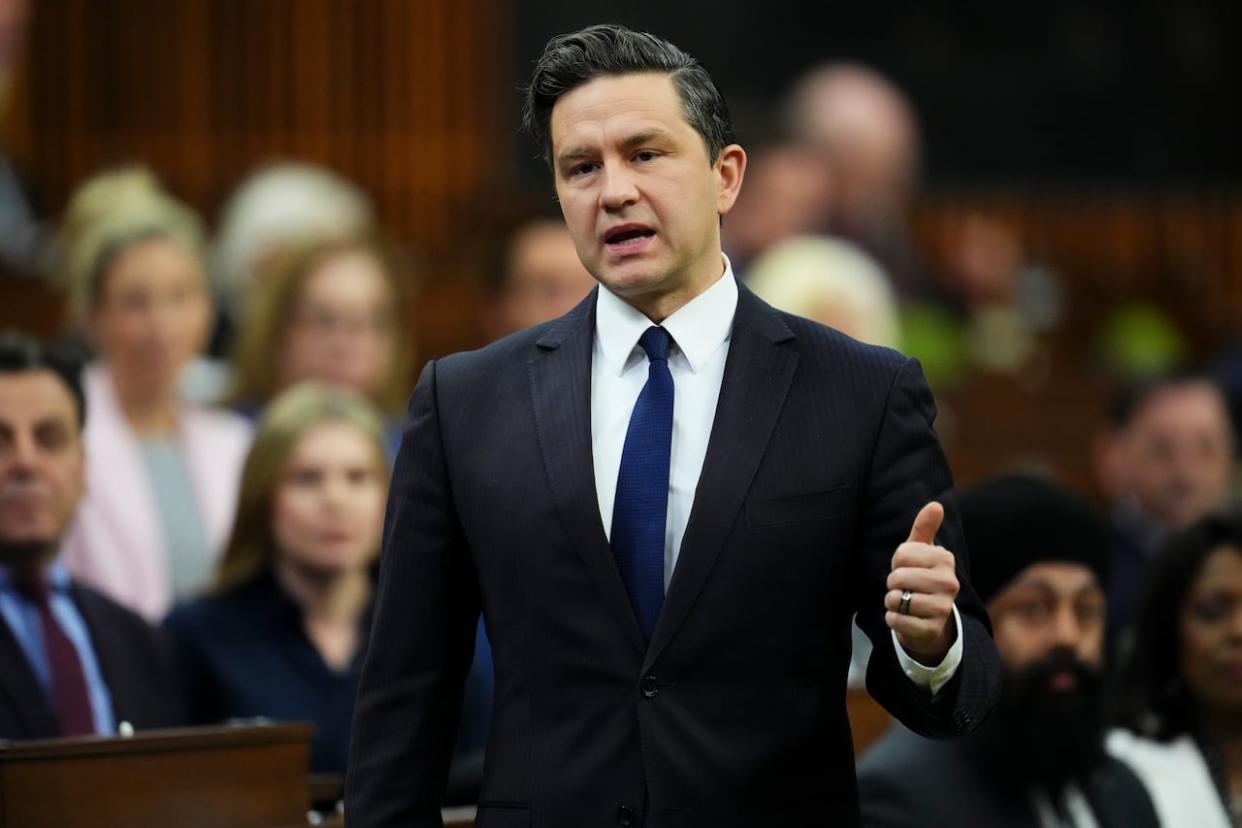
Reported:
(402, 96)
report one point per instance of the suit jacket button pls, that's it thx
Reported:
(650, 687)
(626, 816)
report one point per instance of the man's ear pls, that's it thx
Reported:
(730, 170)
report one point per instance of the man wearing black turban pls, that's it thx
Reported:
(1039, 558)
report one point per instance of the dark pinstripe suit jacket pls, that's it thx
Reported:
(821, 454)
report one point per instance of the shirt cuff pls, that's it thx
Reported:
(932, 677)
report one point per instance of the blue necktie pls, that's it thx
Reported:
(641, 505)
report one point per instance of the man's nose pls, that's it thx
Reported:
(619, 189)
(1066, 630)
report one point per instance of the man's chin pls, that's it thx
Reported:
(631, 280)
(27, 551)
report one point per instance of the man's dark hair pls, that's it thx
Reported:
(570, 60)
(21, 353)
(1154, 698)
(1134, 393)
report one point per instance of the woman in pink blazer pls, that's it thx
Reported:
(161, 474)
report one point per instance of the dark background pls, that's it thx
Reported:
(1033, 93)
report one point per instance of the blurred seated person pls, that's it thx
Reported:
(276, 208)
(541, 278)
(283, 633)
(867, 133)
(161, 472)
(1182, 684)
(329, 312)
(1166, 461)
(788, 193)
(75, 662)
(1039, 559)
(832, 282)
(25, 243)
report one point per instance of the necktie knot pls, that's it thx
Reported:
(655, 342)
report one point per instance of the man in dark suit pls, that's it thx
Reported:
(1041, 563)
(1166, 461)
(668, 504)
(75, 663)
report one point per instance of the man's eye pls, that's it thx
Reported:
(1211, 611)
(52, 437)
(644, 155)
(1033, 611)
(582, 169)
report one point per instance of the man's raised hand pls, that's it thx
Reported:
(926, 576)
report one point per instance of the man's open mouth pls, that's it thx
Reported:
(627, 234)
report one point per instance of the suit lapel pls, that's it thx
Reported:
(22, 691)
(757, 375)
(560, 385)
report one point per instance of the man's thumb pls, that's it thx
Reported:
(927, 524)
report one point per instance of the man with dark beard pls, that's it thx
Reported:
(1039, 560)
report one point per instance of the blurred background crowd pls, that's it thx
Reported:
(256, 221)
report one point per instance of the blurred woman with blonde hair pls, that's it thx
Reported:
(283, 633)
(161, 473)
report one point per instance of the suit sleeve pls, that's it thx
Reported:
(422, 637)
(908, 469)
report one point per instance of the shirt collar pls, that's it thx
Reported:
(698, 327)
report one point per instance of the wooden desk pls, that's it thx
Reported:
(230, 777)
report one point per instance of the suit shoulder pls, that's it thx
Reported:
(519, 347)
(119, 621)
(515, 347)
(818, 341)
(96, 602)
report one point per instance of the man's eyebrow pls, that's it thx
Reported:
(1035, 583)
(1087, 589)
(1041, 585)
(573, 154)
(630, 141)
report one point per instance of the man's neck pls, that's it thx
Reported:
(26, 561)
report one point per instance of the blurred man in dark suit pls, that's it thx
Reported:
(541, 278)
(669, 503)
(1167, 460)
(75, 663)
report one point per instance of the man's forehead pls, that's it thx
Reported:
(1176, 400)
(645, 100)
(35, 395)
(1067, 577)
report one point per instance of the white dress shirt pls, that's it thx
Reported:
(700, 330)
